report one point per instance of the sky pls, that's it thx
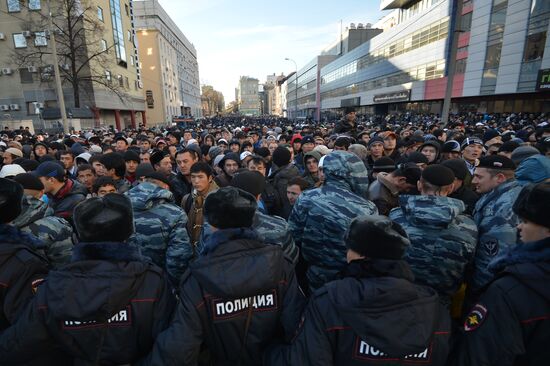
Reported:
(253, 38)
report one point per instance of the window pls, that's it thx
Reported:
(40, 39)
(13, 6)
(100, 14)
(126, 82)
(19, 40)
(108, 77)
(132, 60)
(103, 45)
(129, 36)
(26, 76)
(32, 108)
(466, 24)
(460, 66)
(120, 80)
(127, 9)
(34, 5)
(118, 34)
(492, 59)
(534, 47)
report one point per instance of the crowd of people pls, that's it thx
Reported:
(245, 241)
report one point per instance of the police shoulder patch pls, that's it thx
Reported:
(475, 318)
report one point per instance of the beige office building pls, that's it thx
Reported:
(170, 68)
(104, 64)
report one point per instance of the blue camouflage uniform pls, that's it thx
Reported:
(321, 216)
(160, 229)
(270, 230)
(496, 223)
(55, 233)
(443, 241)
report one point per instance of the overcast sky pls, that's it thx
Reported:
(253, 38)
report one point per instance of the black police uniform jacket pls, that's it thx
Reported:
(235, 299)
(22, 269)
(106, 307)
(374, 315)
(510, 324)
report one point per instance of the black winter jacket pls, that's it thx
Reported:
(375, 315)
(22, 269)
(106, 307)
(238, 281)
(279, 180)
(510, 324)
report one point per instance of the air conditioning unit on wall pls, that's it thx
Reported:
(14, 107)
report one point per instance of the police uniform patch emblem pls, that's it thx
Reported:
(475, 318)
(491, 247)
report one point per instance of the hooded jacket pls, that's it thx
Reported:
(510, 323)
(279, 179)
(321, 216)
(106, 307)
(374, 315)
(443, 240)
(237, 281)
(55, 233)
(65, 200)
(311, 179)
(160, 229)
(22, 268)
(534, 169)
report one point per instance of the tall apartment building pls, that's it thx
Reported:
(98, 64)
(170, 67)
(248, 96)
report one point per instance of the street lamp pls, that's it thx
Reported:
(296, 88)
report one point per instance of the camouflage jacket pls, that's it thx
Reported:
(443, 240)
(321, 216)
(160, 229)
(38, 218)
(496, 223)
(270, 230)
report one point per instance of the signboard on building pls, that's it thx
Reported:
(149, 99)
(543, 80)
(399, 96)
(351, 102)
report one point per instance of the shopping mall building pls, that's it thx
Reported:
(502, 59)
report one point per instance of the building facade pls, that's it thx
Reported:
(248, 96)
(502, 55)
(170, 67)
(101, 79)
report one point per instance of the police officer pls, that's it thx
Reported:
(320, 217)
(374, 314)
(493, 215)
(22, 269)
(443, 239)
(236, 297)
(105, 307)
(509, 325)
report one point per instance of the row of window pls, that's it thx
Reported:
(432, 70)
(16, 5)
(432, 33)
(20, 39)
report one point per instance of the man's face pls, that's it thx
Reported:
(222, 146)
(40, 151)
(234, 148)
(377, 150)
(131, 166)
(365, 137)
(165, 166)
(67, 160)
(312, 165)
(529, 231)
(296, 146)
(87, 178)
(230, 167)
(494, 140)
(105, 190)
(390, 142)
(272, 146)
(99, 168)
(145, 157)
(187, 136)
(483, 181)
(307, 147)
(430, 153)
(472, 152)
(200, 181)
(144, 145)
(351, 116)
(185, 161)
(121, 146)
(8, 158)
(257, 167)
(292, 193)
(172, 140)
(48, 184)
(450, 155)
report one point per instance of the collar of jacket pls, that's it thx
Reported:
(533, 252)
(383, 179)
(496, 193)
(223, 236)
(12, 235)
(108, 251)
(63, 191)
(371, 267)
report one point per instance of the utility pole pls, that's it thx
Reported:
(452, 64)
(58, 86)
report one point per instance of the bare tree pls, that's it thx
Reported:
(213, 99)
(83, 56)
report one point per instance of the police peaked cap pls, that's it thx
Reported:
(104, 219)
(497, 162)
